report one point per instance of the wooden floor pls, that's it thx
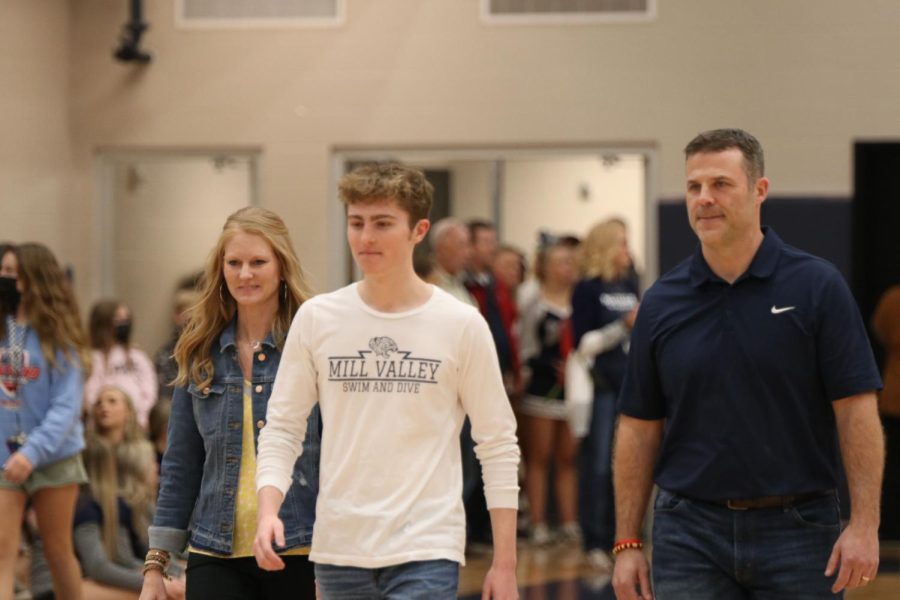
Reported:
(559, 572)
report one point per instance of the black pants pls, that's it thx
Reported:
(212, 578)
(890, 492)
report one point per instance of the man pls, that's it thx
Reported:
(451, 246)
(395, 365)
(488, 294)
(486, 291)
(749, 371)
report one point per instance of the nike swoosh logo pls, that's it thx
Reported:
(778, 310)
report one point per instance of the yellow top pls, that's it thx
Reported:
(245, 505)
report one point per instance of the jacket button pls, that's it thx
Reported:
(258, 389)
(261, 356)
(260, 424)
(205, 391)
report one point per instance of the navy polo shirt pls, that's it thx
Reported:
(745, 373)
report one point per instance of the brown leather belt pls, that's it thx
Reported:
(770, 501)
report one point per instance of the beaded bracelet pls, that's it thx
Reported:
(629, 544)
(154, 565)
(158, 560)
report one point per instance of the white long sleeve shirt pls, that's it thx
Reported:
(393, 389)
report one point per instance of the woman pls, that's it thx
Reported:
(547, 433)
(604, 306)
(113, 513)
(113, 417)
(116, 362)
(227, 358)
(43, 352)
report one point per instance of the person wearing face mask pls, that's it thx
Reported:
(116, 362)
(43, 355)
(9, 295)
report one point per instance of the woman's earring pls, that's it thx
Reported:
(221, 295)
(284, 291)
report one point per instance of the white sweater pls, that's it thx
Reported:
(393, 389)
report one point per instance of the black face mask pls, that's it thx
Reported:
(122, 332)
(9, 295)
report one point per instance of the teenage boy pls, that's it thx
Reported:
(395, 364)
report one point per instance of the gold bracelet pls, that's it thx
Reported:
(152, 565)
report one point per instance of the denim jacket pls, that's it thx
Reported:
(199, 476)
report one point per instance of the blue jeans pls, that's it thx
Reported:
(427, 579)
(596, 510)
(706, 551)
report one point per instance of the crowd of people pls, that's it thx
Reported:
(580, 295)
(352, 444)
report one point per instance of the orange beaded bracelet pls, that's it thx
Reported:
(629, 544)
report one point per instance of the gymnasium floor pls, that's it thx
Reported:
(559, 573)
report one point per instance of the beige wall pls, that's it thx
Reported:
(544, 194)
(35, 147)
(807, 76)
(165, 214)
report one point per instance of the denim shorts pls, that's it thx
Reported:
(62, 472)
(706, 551)
(430, 579)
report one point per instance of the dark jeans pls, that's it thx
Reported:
(705, 551)
(596, 509)
(210, 577)
(890, 492)
(478, 519)
(418, 580)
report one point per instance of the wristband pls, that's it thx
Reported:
(627, 544)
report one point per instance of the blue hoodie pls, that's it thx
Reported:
(48, 402)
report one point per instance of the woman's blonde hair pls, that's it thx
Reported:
(50, 306)
(119, 471)
(216, 307)
(600, 248)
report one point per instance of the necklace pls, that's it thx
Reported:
(15, 355)
(254, 345)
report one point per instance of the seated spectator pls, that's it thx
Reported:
(115, 508)
(113, 417)
(112, 516)
(116, 362)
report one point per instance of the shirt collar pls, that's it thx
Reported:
(762, 266)
(227, 337)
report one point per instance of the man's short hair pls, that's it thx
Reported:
(476, 225)
(388, 181)
(442, 228)
(719, 140)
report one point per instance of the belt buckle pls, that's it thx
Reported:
(731, 506)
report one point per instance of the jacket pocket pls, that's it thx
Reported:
(209, 406)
